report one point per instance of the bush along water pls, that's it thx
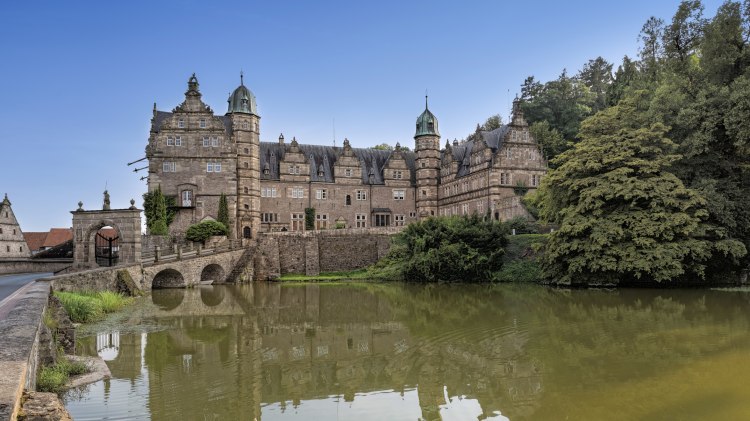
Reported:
(446, 249)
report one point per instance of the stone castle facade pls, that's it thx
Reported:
(196, 155)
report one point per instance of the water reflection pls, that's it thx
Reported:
(366, 351)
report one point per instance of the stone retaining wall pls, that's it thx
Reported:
(20, 348)
(312, 252)
(102, 279)
(8, 266)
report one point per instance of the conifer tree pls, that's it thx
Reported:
(223, 216)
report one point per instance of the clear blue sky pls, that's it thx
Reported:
(79, 79)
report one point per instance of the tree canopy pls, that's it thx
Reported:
(657, 183)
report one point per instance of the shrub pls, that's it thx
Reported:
(51, 380)
(201, 231)
(454, 249)
(521, 225)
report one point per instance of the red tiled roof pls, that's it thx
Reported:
(35, 240)
(107, 232)
(58, 236)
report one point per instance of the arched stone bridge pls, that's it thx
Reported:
(233, 265)
(204, 269)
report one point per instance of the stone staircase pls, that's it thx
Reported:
(244, 268)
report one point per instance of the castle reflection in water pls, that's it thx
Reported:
(237, 352)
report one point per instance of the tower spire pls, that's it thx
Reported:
(425, 99)
(242, 80)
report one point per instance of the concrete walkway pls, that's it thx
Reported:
(19, 330)
(12, 287)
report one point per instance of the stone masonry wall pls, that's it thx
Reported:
(8, 266)
(104, 279)
(313, 252)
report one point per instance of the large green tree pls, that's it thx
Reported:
(623, 215)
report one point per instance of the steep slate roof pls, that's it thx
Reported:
(462, 152)
(371, 161)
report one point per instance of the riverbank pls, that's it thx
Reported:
(520, 264)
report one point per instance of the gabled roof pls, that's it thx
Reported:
(58, 236)
(35, 240)
(323, 158)
(462, 152)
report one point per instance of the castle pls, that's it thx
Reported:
(195, 156)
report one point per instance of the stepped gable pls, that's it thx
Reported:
(461, 153)
(161, 117)
(323, 158)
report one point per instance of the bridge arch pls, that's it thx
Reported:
(168, 299)
(212, 274)
(211, 295)
(169, 278)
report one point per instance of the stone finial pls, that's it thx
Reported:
(398, 146)
(455, 142)
(281, 139)
(5, 200)
(80, 206)
(105, 205)
(294, 141)
(132, 204)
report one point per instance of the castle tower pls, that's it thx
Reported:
(427, 148)
(246, 134)
(12, 243)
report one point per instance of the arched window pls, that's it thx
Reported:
(348, 200)
(497, 216)
(246, 164)
(247, 190)
(247, 232)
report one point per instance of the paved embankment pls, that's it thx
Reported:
(10, 284)
(19, 345)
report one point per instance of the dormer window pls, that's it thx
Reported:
(202, 123)
(348, 172)
(181, 123)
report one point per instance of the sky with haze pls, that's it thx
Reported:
(79, 79)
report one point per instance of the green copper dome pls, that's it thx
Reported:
(427, 123)
(242, 100)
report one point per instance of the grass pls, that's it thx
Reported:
(54, 378)
(360, 274)
(86, 307)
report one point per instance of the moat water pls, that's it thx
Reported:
(408, 352)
